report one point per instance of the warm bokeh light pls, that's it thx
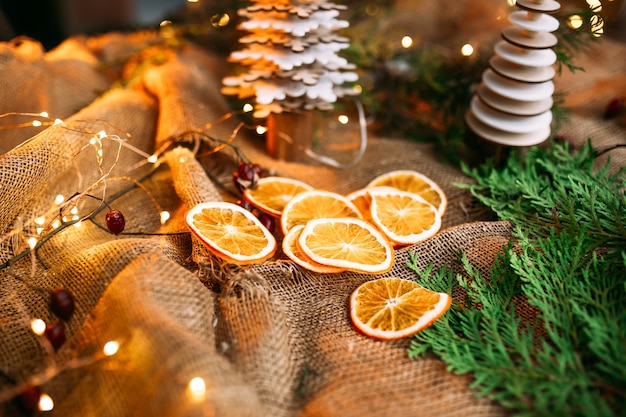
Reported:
(597, 25)
(511, 2)
(343, 119)
(38, 326)
(407, 41)
(467, 50)
(110, 348)
(153, 159)
(45, 403)
(595, 5)
(197, 389)
(247, 108)
(261, 129)
(220, 20)
(165, 216)
(37, 123)
(32, 242)
(575, 21)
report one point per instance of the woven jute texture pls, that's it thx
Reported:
(268, 340)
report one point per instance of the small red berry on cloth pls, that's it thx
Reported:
(62, 303)
(115, 221)
(55, 333)
(247, 175)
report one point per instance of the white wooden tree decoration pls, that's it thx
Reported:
(513, 103)
(291, 49)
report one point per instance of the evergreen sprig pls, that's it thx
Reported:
(567, 265)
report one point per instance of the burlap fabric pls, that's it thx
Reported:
(269, 340)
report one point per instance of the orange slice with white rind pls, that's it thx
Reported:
(395, 308)
(363, 200)
(316, 204)
(272, 194)
(231, 232)
(414, 182)
(405, 218)
(348, 243)
(293, 252)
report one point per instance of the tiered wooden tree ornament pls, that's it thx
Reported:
(513, 103)
(291, 49)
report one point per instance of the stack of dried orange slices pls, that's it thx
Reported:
(324, 231)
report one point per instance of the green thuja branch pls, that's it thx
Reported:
(545, 332)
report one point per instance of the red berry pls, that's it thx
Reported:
(247, 175)
(62, 303)
(268, 221)
(115, 222)
(246, 171)
(28, 400)
(246, 204)
(55, 333)
(614, 108)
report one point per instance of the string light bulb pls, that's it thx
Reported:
(406, 42)
(165, 216)
(38, 326)
(467, 50)
(45, 403)
(197, 389)
(110, 348)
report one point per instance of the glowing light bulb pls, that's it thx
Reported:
(40, 220)
(192, 1)
(45, 403)
(38, 326)
(152, 159)
(56, 224)
(74, 210)
(197, 389)
(220, 20)
(58, 121)
(32, 242)
(595, 5)
(44, 114)
(102, 134)
(467, 50)
(248, 107)
(110, 348)
(511, 2)
(182, 160)
(343, 119)
(36, 123)
(575, 21)
(261, 129)
(78, 224)
(407, 42)
(165, 216)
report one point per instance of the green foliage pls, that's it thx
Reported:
(567, 264)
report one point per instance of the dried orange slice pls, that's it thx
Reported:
(272, 194)
(316, 204)
(363, 200)
(406, 218)
(231, 232)
(293, 252)
(348, 243)
(394, 308)
(414, 182)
